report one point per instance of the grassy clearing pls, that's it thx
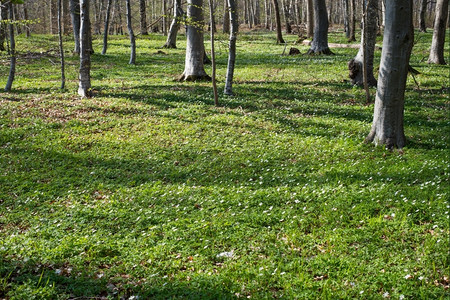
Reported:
(149, 190)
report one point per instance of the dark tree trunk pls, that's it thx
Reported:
(287, 16)
(12, 51)
(195, 50)
(423, 10)
(84, 88)
(367, 48)
(3, 16)
(131, 34)
(61, 48)
(75, 17)
(25, 15)
(178, 14)
(346, 19)
(319, 44)
(232, 47)
(387, 126)
(226, 18)
(143, 15)
(280, 39)
(213, 56)
(106, 30)
(352, 24)
(437, 43)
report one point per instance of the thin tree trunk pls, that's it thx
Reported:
(61, 48)
(438, 41)
(280, 39)
(131, 34)
(346, 18)
(367, 47)
(423, 10)
(25, 16)
(12, 51)
(106, 30)
(232, 47)
(178, 14)
(84, 88)
(319, 44)
(143, 15)
(226, 18)
(352, 37)
(267, 9)
(75, 16)
(213, 54)
(3, 26)
(387, 127)
(287, 16)
(310, 19)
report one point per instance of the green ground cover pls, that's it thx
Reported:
(149, 190)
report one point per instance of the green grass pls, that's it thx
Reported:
(147, 188)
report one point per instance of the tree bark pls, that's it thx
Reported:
(195, 50)
(319, 44)
(75, 17)
(61, 48)
(387, 127)
(423, 10)
(310, 19)
(178, 14)
(12, 51)
(3, 26)
(131, 34)
(366, 48)
(143, 17)
(106, 30)
(437, 43)
(232, 47)
(280, 39)
(84, 88)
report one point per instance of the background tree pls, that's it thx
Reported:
(12, 46)
(234, 27)
(106, 28)
(131, 34)
(195, 50)
(423, 10)
(3, 26)
(61, 48)
(319, 44)
(75, 17)
(280, 39)
(310, 19)
(84, 88)
(366, 48)
(178, 14)
(437, 43)
(143, 19)
(387, 127)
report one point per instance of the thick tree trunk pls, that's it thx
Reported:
(423, 10)
(232, 47)
(3, 16)
(61, 48)
(75, 17)
(131, 34)
(143, 17)
(106, 30)
(12, 51)
(367, 47)
(387, 126)
(195, 50)
(84, 88)
(319, 44)
(437, 43)
(280, 39)
(310, 19)
(178, 14)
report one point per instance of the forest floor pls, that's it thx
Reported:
(147, 189)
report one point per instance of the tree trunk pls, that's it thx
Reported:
(195, 50)
(25, 16)
(143, 15)
(280, 39)
(3, 26)
(178, 14)
(213, 56)
(84, 88)
(267, 9)
(367, 47)
(106, 30)
(12, 45)
(131, 34)
(310, 19)
(226, 18)
(232, 47)
(287, 16)
(387, 126)
(61, 48)
(352, 24)
(319, 44)
(75, 17)
(423, 10)
(346, 19)
(437, 43)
